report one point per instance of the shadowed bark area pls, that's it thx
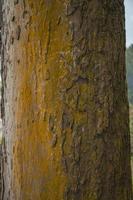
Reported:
(64, 101)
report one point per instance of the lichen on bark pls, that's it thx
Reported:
(66, 127)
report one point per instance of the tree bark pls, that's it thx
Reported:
(64, 101)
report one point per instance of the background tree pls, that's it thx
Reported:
(64, 101)
(129, 63)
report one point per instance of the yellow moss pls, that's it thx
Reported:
(38, 165)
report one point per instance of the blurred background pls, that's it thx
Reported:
(129, 63)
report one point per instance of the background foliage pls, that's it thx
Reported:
(129, 65)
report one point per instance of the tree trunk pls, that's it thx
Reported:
(64, 101)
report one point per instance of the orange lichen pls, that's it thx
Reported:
(38, 167)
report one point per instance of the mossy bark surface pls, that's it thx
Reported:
(64, 101)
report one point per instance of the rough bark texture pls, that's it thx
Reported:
(65, 108)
